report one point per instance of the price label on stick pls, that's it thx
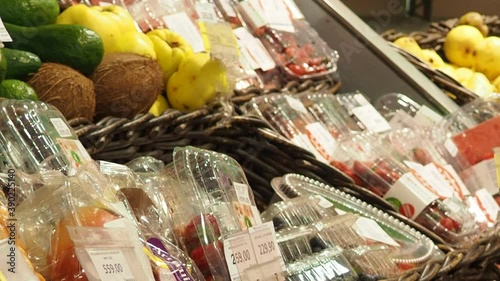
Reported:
(111, 264)
(4, 34)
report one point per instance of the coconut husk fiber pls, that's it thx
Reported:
(126, 85)
(66, 89)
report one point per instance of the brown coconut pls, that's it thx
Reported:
(66, 89)
(126, 84)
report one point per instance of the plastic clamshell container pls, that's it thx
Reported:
(297, 212)
(290, 117)
(338, 231)
(35, 136)
(302, 54)
(373, 260)
(294, 243)
(217, 202)
(329, 264)
(328, 111)
(414, 249)
(411, 194)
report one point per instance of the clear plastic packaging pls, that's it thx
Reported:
(373, 260)
(293, 43)
(363, 112)
(290, 117)
(403, 112)
(294, 244)
(36, 137)
(329, 112)
(408, 247)
(297, 212)
(410, 194)
(217, 202)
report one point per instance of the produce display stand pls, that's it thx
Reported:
(367, 63)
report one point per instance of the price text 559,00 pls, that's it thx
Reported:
(112, 268)
(241, 257)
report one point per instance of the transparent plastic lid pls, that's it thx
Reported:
(297, 212)
(294, 243)
(217, 202)
(34, 136)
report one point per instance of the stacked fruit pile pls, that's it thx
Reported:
(471, 55)
(93, 61)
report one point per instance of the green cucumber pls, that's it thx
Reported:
(16, 89)
(21, 64)
(3, 66)
(29, 12)
(72, 45)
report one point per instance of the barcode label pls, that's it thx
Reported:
(242, 193)
(61, 127)
(206, 12)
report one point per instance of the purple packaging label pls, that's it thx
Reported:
(178, 269)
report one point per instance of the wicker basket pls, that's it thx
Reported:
(434, 38)
(263, 154)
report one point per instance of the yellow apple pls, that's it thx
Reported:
(432, 58)
(410, 45)
(479, 84)
(496, 83)
(460, 43)
(463, 74)
(448, 70)
(487, 57)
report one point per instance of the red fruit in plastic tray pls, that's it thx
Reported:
(448, 223)
(309, 48)
(421, 156)
(348, 171)
(385, 174)
(195, 231)
(360, 169)
(315, 62)
(296, 69)
(290, 51)
(203, 254)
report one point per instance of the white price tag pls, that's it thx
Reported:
(4, 34)
(437, 181)
(488, 204)
(252, 13)
(206, 12)
(370, 229)
(462, 187)
(264, 242)
(61, 127)
(111, 264)
(294, 10)
(242, 193)
(371, 118)
(182, 24)
(427, 117)
(13, 264)
(239, 254)
(322, 140)
(228, 9)
(303, 141)
(76, 154)
(361, 99)
(296, 104)
(451, 147)
(255, 49)
(277, 15)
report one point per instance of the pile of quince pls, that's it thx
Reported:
(191, 80)
(473, 58)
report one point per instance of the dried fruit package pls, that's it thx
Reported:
(86, 200)
(216, 202)
(36, 137)
(145, 193)
(410, 194)
(295, 46)
(468, 138)
(291, 118)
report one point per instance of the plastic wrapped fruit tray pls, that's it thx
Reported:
(264, 155)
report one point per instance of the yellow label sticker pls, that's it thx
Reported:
(2, 277)
(220, 41)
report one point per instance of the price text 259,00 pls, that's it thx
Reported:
(241, 257)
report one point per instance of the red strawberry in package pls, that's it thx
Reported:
(410, 194)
